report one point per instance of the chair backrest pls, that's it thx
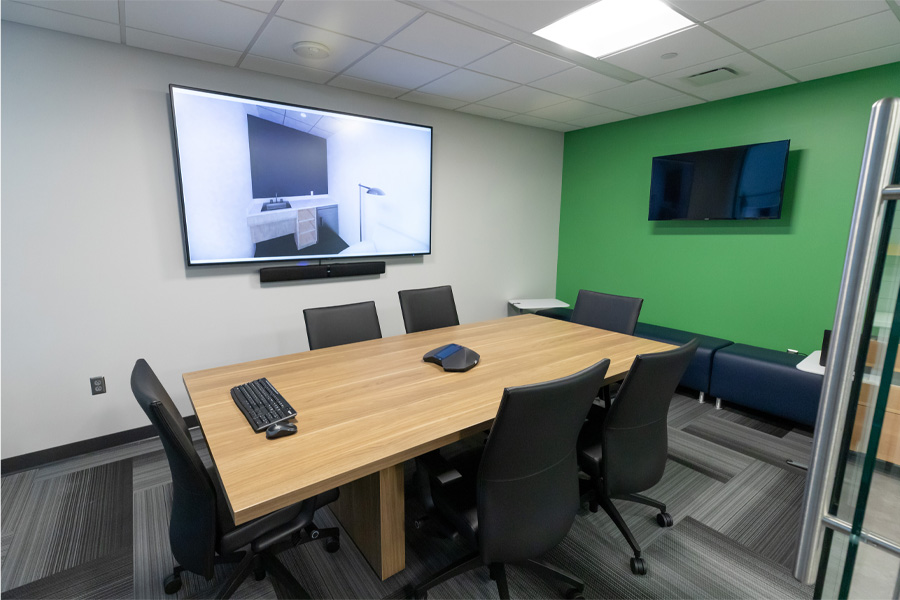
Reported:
(428, 308)
(634, 437)
(192, 527)
(607, 311)
(528, 477)
(344, 324)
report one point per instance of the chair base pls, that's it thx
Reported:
(263, 563)
(663, 519)
(498, 574)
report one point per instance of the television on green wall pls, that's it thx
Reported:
(740, 182)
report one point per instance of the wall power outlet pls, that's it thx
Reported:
(98, 385)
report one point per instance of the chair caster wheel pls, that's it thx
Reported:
(638, 567)
(333, 545)
(172, 584)
(574, 594)
(664, 519)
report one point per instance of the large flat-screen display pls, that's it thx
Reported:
(742, 182)
(268, 181)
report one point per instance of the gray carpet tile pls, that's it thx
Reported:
(711, 565)
(73, 519)
(684, 410)
(753, 421)
(107, 577)
(759, 508)
(752, 442)
(14, 493)
(706, 457)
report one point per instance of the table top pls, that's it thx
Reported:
(364, 407)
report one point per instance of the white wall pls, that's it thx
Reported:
(93, 273)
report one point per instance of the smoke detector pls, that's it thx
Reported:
(311, 50)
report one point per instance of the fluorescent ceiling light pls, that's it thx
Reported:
(609, 26)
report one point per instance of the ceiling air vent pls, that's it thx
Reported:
(713, 76)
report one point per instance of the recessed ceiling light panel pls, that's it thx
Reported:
(610, 26)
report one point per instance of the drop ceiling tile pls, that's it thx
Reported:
(432, 100)
(370, 20)
(223, 25)
(520, 64)
(369, 87)
(532, 121)
(444, 40)
(147, 40)
(523, 99)
(568, 111)
(60, 21)
(265, 6)
(704, 10)
(524, 15)
(486, 111)
(278, 38)
(626, 97)
(602, 119)
(467, 86)
(283, 69)
(861, 35)
(754, 76)
(101, 11)
(776, 20)
(693, 46)
(863, 60)
(400, 69)
(576, 82)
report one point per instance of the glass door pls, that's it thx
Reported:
(850, 541)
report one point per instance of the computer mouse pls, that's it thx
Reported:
(278, 430)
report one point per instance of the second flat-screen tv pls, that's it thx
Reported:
(268, 181)
(741, 182)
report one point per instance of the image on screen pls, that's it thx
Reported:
(266, 181)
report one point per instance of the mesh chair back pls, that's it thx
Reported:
(635, 439)
(606, 311)
(428, 308)
(344, 324)
(527, 484)
(192, 527)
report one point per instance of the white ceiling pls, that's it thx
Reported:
(480, 57)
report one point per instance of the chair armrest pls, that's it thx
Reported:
(440, 472)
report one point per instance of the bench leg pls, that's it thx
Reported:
(702, 397)
(718, 404)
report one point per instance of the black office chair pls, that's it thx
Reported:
(521, 499)
(201, 530)
(607, 311)
(344, 324)
(428, 308)
(625, 452)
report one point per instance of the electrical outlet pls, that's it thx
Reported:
(98, 385)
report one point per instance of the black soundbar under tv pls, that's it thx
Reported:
(293, 273)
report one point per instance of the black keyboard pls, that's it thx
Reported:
(261, 404)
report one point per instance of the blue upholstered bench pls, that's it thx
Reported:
(766, 380)
(697, 376)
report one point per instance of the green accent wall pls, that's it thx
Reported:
(767, 283)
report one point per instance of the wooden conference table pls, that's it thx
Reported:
(365, 408)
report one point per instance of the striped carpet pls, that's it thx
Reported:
(96, 526)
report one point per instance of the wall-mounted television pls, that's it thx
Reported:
(265, 181)
(741, 182)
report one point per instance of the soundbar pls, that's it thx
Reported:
(294, 273)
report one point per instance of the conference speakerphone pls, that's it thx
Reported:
(453, 357)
